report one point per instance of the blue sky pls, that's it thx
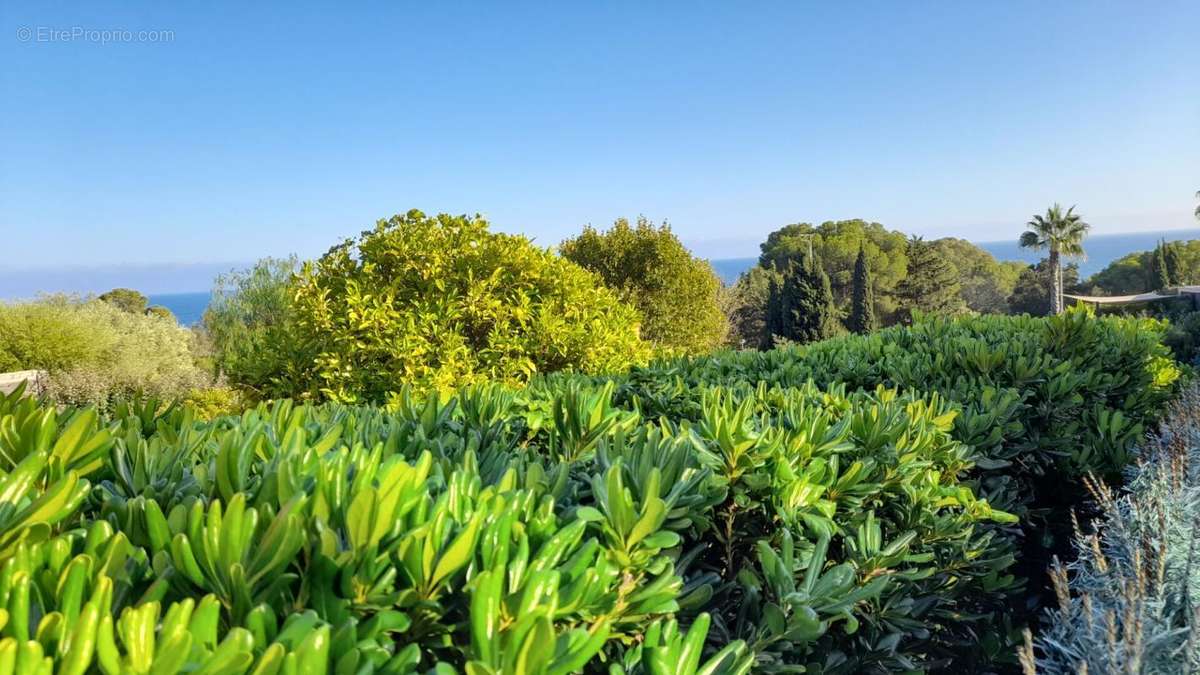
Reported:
(265, 130)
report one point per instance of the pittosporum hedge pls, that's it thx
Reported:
(711, 516)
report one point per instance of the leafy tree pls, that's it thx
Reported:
(677, 294)
(746, 307)
(1062, 233)
(251, 324)
(932, 282)
(800, 304)
(836, 245)
(862, 304)
(127, 300)
(1031, 295)
(985, 283)
(1127, 275)
(1136, 273)
(160, 312)
(437, 302)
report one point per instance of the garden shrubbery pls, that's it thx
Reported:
(96, 352)
(717, 515)
(439, 302)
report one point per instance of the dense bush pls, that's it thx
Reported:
(1041, 402)
(96, 352)
(705, 515)
(437, 302)
(1126, 604)
(1183, 337)
(677, 294)
(251, 324)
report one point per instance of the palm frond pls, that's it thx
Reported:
(1031, 239)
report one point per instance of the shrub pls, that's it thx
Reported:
(439, 302)
(250, 324)
(213, 402)
(1041, 402)
(1183, 337)
(649, 267)
(96, 352)
(1126, 603)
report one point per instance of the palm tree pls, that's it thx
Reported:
(1062, 233)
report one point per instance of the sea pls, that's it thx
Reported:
(188, 308)
(1102, 249)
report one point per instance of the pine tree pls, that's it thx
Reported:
(862, 299)
(932, 282)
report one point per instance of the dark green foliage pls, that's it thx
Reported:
(1042, 402)
(1136, 273)
(677, 294)
(1031, 295)
(1160, 272)
(800, 302)
(931, 284)
(862, 298)
(1166, 268)
(745, 303)
(984, 282)
(836, 245)
(126, 299)
(1183, 337)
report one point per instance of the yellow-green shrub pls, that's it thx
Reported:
(438, 302)
(95, 352)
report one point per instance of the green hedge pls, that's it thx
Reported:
(643, 525)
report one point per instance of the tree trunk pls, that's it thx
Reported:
(1056, 290)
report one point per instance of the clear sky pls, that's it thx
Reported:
(263, 130)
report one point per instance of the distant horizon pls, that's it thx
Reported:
(167, 278)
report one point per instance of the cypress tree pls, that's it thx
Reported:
(800, 302)
(862, 299)
(1174, 264)
(1161, 277)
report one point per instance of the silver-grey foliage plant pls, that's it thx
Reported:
(1130, 603)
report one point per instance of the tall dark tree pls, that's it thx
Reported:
(1061, 233)
(931, 284)
(800, 304)
(1174, 264)
(862, 297)
(1159, 270)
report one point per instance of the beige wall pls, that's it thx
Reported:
(10, 381)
